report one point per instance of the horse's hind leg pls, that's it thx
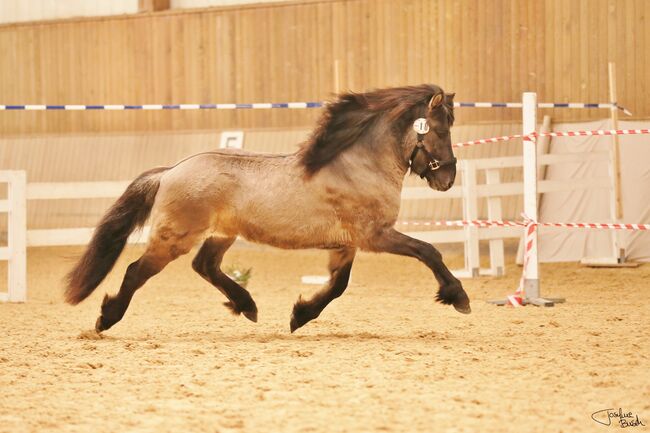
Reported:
(160, 251)
(339, 266)
(207, 263)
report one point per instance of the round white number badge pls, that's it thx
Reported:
(421, 126)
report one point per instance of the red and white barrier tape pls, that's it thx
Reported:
(599, 132)
(488, 140)
(517, 300)
(476, 223)
(614, 226)
(502, 223)
(595, 132)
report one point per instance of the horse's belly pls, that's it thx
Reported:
(295, 234)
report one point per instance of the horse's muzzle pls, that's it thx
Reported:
(442, 179)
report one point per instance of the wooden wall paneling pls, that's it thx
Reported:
(571, 67)
(311, 57)
(354, 58)
(226, 90)
(194, 60)
(644, 41)
(631, 31)
(177, 77)
(324, 56)
(484, 50)
(338, 40)
(377, 61)
(469, 53)
(493, 58)
(153, 5)
(407, 58)
(547, 79)
(430, 56)
(482, 85)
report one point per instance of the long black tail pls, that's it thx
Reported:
(129, 212)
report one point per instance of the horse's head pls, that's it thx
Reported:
(432, 157)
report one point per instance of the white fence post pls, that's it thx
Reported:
(16, 235)
(470, 213)
(497, 260)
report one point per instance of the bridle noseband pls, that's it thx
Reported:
(421, 127)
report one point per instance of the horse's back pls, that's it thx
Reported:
(213, 190)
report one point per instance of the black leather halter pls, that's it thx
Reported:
(433, 163)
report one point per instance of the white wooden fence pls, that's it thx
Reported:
(15, 252)
(470, 192)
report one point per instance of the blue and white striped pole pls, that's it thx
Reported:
(290, 105)
(165, 106)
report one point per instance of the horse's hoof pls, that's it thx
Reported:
(293, 325)
(453, 294)
(250, 315)
(99, 326)
(302, 313)
(299, 320)
(462, 304)
(465, 309)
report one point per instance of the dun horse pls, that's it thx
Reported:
(340, 191)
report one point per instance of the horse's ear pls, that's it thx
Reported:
(450, 97)
(436, 100)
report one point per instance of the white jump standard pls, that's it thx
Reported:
(531, 286)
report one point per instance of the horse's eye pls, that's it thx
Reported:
(441, 133)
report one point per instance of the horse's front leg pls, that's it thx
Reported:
(450, 291)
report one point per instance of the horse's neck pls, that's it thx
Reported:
(377, 160)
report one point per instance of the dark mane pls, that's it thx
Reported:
(352, 114)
